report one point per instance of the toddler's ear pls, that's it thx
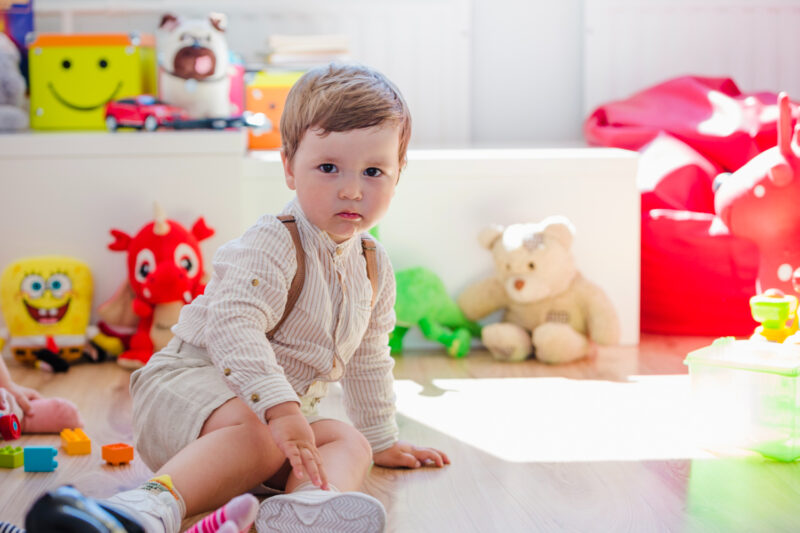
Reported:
(287, 170)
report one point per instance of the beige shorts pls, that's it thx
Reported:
(175, 393)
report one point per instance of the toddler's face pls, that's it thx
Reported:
(345, 180)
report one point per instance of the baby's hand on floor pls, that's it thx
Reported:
(24, 395)
(295, 438)
(404, 454)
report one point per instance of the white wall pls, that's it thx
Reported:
(526, 71)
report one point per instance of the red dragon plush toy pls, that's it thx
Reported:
(761, 202)
(165, 271)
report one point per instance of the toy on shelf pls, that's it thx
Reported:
(266, 93)
(74, 76)
(11, 457)
(146, 113)
(46, 303)
(777, 313)
(143, 112)
(117, 454)
(165, 271)
(39, 458)
(13, 113)
(422, 301)
(759, 202)
(76, 442)
(194, 65)
(551, 310)
(10, 428)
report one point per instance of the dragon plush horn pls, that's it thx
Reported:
(160, 227)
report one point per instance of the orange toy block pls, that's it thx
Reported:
(117, 454)
(75, 442)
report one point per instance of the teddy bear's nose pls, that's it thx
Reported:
(519, 284)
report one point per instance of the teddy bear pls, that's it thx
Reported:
(13, 115)
(194, 69)
(551, 310)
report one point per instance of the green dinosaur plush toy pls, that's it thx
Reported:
(422, 300)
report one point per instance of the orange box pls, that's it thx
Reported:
(75, 442)
(118, 453)
(266, 93)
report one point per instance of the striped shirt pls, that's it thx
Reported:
(332, 333)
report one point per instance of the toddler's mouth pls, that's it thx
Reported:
(349, 215)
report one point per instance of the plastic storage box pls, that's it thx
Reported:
(745, 395)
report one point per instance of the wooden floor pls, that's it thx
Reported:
(598, 445)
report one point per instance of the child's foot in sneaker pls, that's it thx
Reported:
(321, 511)
(157, 512)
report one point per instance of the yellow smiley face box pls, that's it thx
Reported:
(46, 296)
(73, 77)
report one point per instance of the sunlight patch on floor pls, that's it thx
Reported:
(558, 419)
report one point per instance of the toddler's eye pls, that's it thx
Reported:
(373, 172)
(327, 167)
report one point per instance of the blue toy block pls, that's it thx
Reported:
(10, 457)
(40, 458)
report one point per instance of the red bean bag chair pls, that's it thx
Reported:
(697, 277)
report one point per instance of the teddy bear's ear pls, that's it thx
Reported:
(488, 236)
(560, 228)
(169, 22)
(219, 21)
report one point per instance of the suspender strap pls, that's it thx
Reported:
(368, 247)
(300, 275)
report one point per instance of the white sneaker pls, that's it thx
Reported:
(321, 511)
(158, 513)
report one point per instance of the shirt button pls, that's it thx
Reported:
(254, 283)
(339, 251)
(227, 372)
(254, 397)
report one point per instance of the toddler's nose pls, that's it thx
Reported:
(351, 188)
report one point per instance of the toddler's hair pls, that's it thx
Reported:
(342, 97)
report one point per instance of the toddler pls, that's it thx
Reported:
(230, 403)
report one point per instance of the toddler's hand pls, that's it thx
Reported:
(24, 395)
(295, 438)
(4, 406)
(404, 454)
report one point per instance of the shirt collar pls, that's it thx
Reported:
(320, 238)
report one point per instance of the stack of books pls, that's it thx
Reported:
(306, 51)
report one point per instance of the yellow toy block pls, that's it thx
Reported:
(75, 442)
(266, 93)
(73, 77)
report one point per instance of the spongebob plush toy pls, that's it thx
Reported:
(46, 303)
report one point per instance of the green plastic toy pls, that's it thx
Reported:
(422, 301)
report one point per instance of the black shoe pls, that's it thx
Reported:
(66, 510)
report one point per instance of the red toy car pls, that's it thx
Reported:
(144, 112)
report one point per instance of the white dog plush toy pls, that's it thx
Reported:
(193, 65)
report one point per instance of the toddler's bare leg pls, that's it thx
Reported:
(346, 455)
(235, 452)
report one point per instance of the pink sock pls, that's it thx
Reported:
(51, 415)
(235, 516)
